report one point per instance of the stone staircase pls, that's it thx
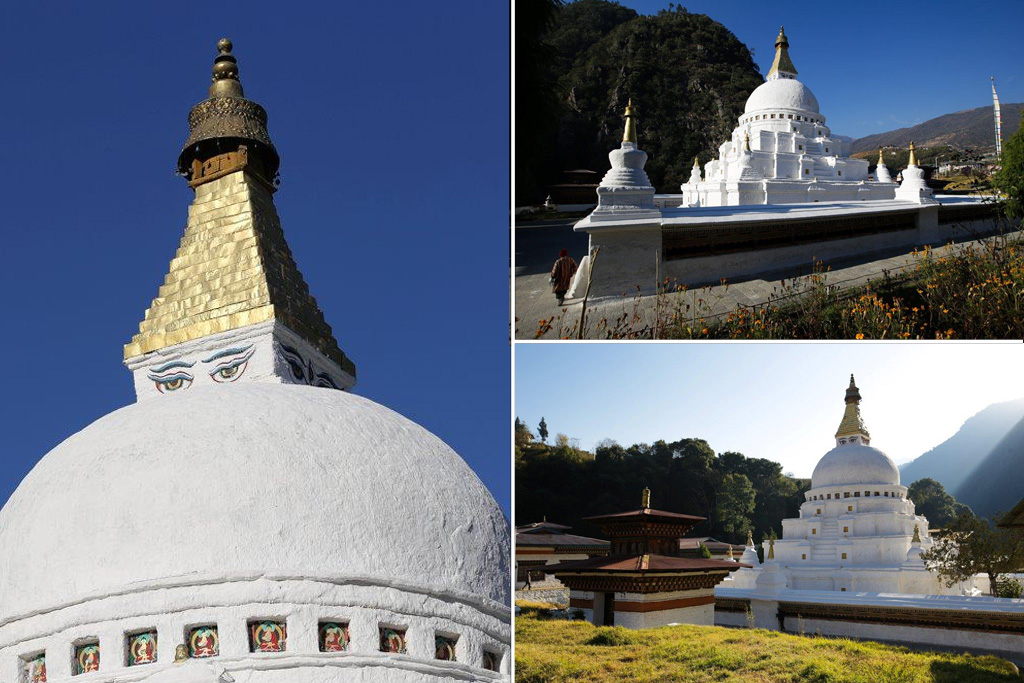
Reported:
(823, 548)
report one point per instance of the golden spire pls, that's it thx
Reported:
(645, 499)
(695, 164)
(880, 159)
(771, 548)
(917, 535)
(852, 423)
(746, 142)
(782, 61)
(750, 538)
(731, 557)
(630, 133)
(913, 159)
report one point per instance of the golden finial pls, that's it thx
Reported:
(630, 133)
(880, 159)
(746, 142)
(771, 548)
(695, 164)
(782, 62)
(645, 499)
(913, 159)
(731, 557)
(750, 538)
(180, 654)
(917, 535)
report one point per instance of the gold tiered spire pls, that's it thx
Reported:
(233, 267)
(880, 159)
(782, 61)
(629, 135)
(913, 158)
(645, 499)
(852, 424)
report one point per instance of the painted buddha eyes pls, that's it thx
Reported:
(227, 366)
(174, 382)
(232, 364)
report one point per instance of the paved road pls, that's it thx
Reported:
(538, 244)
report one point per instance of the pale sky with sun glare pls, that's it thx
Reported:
(769, 400)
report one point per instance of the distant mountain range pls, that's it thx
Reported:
(972, 128)
(982, 464)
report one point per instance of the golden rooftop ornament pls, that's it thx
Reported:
(629, 135)
(880, 160)
(233, 267)
(645, 499)
(731, 557)
(782, 61)
(695, 164)
(750, 538)
(913, 158)
(771, 548)
(852, 423)
(746, 142)
(917, 535)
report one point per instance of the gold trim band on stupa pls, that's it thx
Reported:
(782, 61)
(852, 423)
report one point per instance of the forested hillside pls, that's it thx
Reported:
(688, 75)
(734, 492)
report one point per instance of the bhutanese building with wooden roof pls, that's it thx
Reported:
(645, 581)
(543, 544)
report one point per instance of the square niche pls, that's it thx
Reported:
(203, 642)
(334, 636)
(87, 658)
(267, 636)
(141, 648)
(33, 668)
(492, 660)
(392, 639)
(444, 647)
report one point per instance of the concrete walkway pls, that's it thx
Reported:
(534, 300)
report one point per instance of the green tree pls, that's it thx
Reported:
(542, 430)
(931, 500)
(704, 552)
(522, 434)
(1010, 178)
(735, 503)
(971, 545)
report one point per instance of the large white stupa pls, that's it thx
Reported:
(782, 152)
(248, 519)
(857, 531)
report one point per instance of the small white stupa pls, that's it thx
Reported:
(914, 188)
(625, 191)
(882, 171)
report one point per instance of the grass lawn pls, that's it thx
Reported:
(556, 651)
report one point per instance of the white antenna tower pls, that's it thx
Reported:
(999, 120)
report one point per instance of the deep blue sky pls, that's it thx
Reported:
(392, 124)
(781, 401)
(878, 65)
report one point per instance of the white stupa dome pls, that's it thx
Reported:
(855, 463)
(781, 93)
(258, 479)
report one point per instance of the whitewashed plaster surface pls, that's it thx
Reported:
(227, 503)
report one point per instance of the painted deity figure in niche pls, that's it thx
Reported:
(142, 649)
(333, 637)
(444, 648)
(392, 640)
(268, 636)
(203, 642)
(36, 670)
(88, 659)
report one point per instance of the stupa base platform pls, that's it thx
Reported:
(704, 245)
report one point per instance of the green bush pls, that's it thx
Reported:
(1009, 588)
